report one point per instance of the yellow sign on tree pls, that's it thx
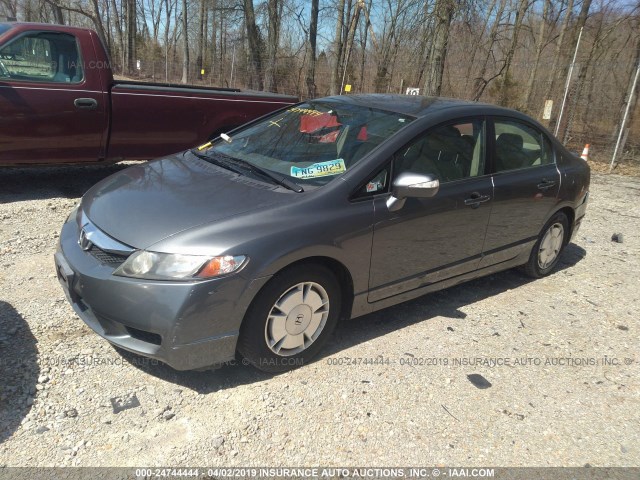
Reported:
(347, 88)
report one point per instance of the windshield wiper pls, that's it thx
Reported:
(284, 181)
(232, 163)
(217, 160)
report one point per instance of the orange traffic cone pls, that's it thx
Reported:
(585, 153)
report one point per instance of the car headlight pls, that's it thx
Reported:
(173, 266)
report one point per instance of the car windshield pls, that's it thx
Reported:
(311, 143)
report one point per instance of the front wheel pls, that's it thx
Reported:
(548, 247)
(291, 318)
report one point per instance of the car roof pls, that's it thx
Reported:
(416, 105)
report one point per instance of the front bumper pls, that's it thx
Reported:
(187, 325)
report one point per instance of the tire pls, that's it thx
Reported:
(549, 246)
(277, 339)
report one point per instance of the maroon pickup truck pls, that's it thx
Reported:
(59, 103)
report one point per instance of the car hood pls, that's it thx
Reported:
(144, 204)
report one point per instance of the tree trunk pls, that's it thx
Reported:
(201, 40)
(505, 97)
(185, 44)
(480, 82)
(536, 62)
(476, 45)
(363, 46)
(443, 11)
(120, 30)
(273, 37)
(57, 13)
(214, 38)
(337, 49)
(131, 35)
(351, 34)
(558, 52)
(563, 131)
(313, 35)
(253, 35)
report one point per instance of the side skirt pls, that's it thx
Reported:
(362, 307)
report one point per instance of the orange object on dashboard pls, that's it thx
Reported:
(311, 123)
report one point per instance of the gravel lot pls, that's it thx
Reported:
(566, 390)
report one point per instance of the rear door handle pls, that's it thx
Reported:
(85, 103)
(546, 184)
(476, 199)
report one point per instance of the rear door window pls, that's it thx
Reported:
(519, 145)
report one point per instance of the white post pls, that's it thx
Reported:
(624, 119)
(566, 87)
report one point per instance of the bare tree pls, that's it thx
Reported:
(443, 12)
(313, 35)
(253, 36)
(185, 44)
(481, 82)
(338, 45)
(505, 93)
(540, 43)
(273, 35)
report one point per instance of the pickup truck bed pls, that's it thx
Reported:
(59, 103)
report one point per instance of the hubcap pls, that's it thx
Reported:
(297, 319)
(550, 245)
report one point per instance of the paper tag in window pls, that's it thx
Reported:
(322, 169)
(374, 187)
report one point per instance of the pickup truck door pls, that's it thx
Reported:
(52, 109)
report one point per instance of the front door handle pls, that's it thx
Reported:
(85, 103)
(546, 184)
(476, 199)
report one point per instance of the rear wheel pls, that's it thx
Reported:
(291, 318)
(548, 247)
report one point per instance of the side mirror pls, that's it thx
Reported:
(411, 185)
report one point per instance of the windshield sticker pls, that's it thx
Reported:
(275, 122)
(322, 169)
(307, 111)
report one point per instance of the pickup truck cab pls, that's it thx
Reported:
(59, 103)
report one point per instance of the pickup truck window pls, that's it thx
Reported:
(42, 57)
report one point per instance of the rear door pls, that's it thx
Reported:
(51, 113)
(430, 239)
(526, 185)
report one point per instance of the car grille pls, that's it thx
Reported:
(107, 258)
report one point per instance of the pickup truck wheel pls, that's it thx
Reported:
(291, 318)
(547, 249)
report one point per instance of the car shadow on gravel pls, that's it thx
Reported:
(19, 369)
(33, 183)
(444, 303)
(201, 381)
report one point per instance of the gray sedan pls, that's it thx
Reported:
(260, 241)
